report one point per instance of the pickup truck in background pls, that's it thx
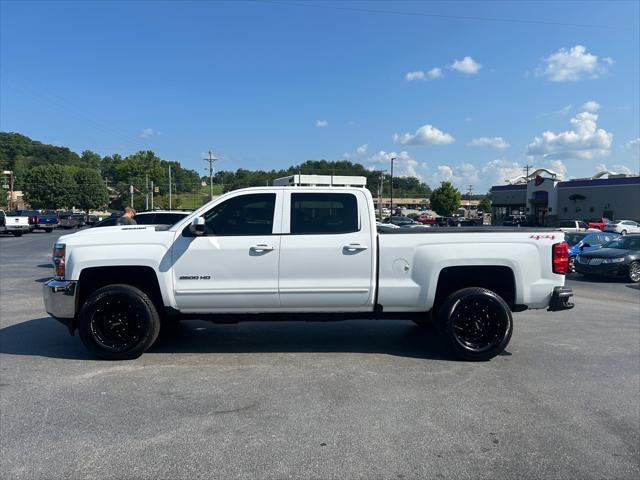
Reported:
(304, 253)
(47, 221)
(12, 223)
(32, 215)
(68, 220)
(598, 223)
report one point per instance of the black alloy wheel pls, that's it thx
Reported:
(477, 322)
(118, 322)
(634, 271)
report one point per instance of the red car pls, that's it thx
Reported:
(598, 222)
(426, 220)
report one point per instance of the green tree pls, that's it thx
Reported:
(89, 191)
(90, 159)
(485, 204)
(445, 199)
(49, 186)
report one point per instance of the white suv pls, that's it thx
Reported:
(622, 227)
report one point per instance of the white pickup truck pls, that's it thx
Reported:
(306, 253)
(15, 224)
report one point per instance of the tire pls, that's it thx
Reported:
(48, 230)
(623, 232)
(634, 272)
(17, 234)
(118, 322)
(476, 322)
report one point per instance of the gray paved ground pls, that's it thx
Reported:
(340, 400)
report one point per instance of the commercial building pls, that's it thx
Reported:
(545, 200)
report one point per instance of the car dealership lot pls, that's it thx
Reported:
(357, 399)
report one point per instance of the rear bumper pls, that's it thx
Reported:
(560, 299)
(60, 300)
(17, 228)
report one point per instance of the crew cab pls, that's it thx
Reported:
(309, 253)
(11, 222)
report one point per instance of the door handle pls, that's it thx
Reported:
(354, 247)
(261, 248)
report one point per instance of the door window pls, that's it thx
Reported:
(323, 213)
(244, 215)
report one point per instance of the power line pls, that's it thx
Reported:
(433, 15)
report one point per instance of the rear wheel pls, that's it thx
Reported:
(623, 232)
(118, 322)
(17, 234)
(48, 230)
(634, 272)
(477, 323)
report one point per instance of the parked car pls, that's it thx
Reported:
(585, 242)
(13, 223)
(622, 227)
(598, 222)
(575, 226)
(47, 221)
(400, 220)
(301, 253)
(426, 219)
(515, 221)
(385, 226)
(68, 220)
(32, 215)
(618, 258)
(92, 220)
(155, 217)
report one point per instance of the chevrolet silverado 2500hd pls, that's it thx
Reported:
(301, 253)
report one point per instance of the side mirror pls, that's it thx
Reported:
(197, 226)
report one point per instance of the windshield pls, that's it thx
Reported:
(625, 243)
(573, 238)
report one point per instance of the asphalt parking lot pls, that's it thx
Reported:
(356, 399)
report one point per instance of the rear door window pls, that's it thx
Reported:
(321, 213)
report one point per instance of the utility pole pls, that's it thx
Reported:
(131, 191)
(151, 194)
(526, 169)
(469, 199)
(146, 203)
(169, 187)
(391, 199)
(380, 192)
(212, 159)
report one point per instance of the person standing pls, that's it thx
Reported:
(127, 217)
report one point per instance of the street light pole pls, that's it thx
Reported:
(391, 199)
(212, 159)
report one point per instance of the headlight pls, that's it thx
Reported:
(613, 260)
(59, 250)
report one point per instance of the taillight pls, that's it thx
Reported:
(560, 258)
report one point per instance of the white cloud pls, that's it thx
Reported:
(421, 75)
(403, 165)
(321, 124)
(585, 141)
(461, 176)
(615, 168)
(467, 66)
(635, 143)
(417, 75)
(362, 149)
(563, 111)
(572, 65)
(591, 106)
(425, 135)
(147, 133)
(493, 142)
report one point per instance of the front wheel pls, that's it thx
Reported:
(477, 323)
(623, 232)
(634, 272)
(118, 322)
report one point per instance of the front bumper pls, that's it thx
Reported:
(60, 300)
(604, 269)
(560, 299)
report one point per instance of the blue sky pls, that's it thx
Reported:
(270, 84)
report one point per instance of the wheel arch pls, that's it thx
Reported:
(139, 276)
(497, 278)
